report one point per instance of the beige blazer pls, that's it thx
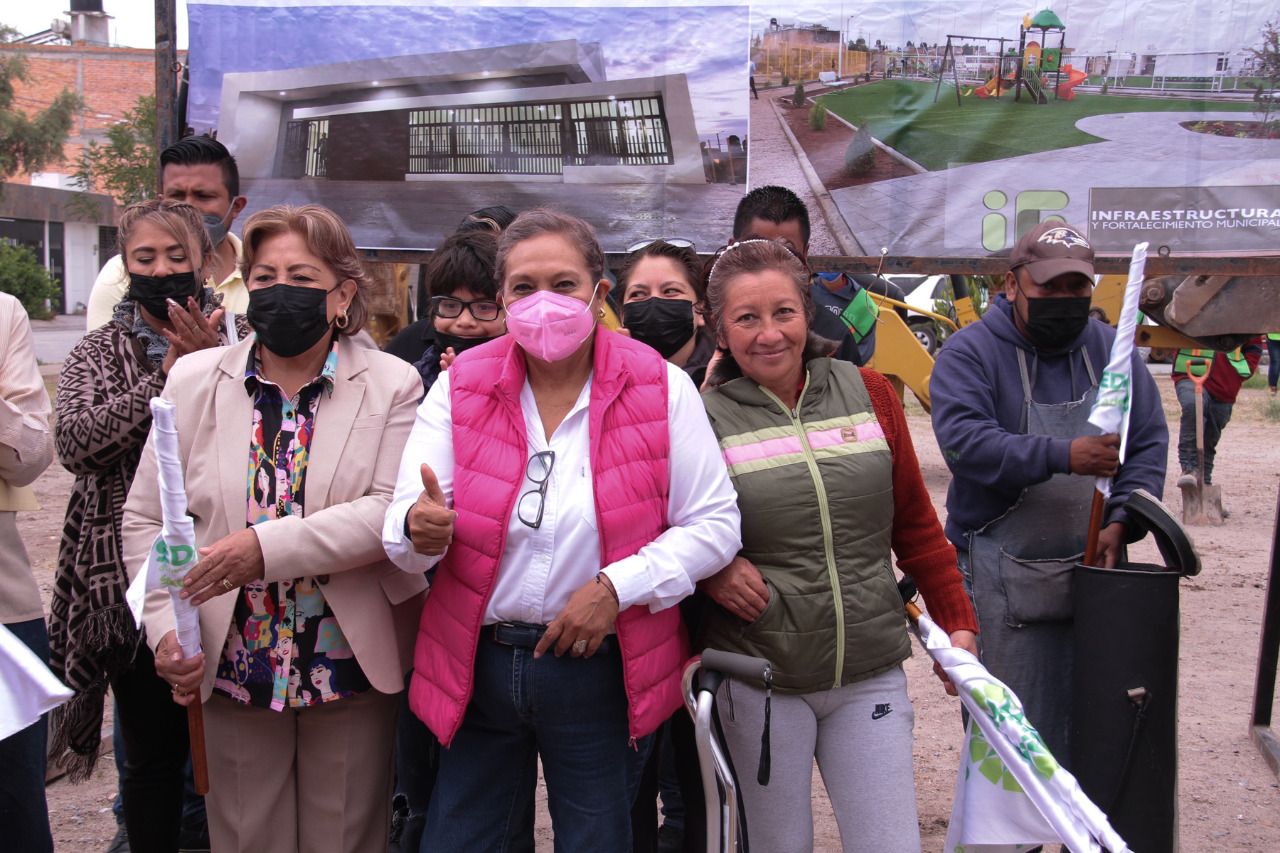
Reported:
(359, 435)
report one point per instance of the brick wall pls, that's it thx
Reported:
(110, 79)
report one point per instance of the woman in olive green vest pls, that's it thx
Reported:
(828, 484)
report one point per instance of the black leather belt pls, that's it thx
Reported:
(525, 635)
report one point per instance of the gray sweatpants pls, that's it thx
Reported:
(861, 737)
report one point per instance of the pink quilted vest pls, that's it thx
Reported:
(630, 445)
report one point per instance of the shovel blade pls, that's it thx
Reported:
(1202, 505)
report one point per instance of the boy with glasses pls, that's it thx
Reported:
(464, 307)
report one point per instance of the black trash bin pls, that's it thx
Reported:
(1125, 694)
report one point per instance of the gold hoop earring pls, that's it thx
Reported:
(342, 320)
(600, 311)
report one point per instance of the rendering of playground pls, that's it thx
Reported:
(977, 119)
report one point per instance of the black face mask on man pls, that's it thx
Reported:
(664, 324)
(288, 318)
(154, 293)
(1054, 322)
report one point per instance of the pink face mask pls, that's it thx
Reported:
(550, 326)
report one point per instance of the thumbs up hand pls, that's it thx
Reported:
(429, 522)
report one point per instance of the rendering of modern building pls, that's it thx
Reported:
(530, 112)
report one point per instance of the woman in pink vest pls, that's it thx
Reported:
(567, 483)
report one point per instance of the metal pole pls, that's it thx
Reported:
(167, 130)
(840, 56)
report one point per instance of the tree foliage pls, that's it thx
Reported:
(797, 97)
(1265, 62)
(125, 166)
(23, 277)
(30, 143)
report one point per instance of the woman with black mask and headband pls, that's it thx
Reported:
(290, 442)
(104, 389)
(663, 297)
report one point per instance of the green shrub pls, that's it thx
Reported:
(798, 97)
(860, 156)
(786, 81)
(818, 116)
(22, 276)
(1106, 84)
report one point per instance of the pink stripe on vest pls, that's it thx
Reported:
(786, 445)
(630, 446)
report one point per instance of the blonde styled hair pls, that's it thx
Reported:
(326, 236)
(178, 218)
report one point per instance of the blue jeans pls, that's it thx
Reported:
(570, 712)
(1217, 415)
(24, 813)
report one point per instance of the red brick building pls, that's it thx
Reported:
(110, 80)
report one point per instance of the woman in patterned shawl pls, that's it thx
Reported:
(103, 419)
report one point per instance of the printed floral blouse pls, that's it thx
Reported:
(284, 646)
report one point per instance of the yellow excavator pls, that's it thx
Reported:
(1188, 311)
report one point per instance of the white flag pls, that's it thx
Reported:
(174, 552)
(1110, 411)
(27, 687)
(1011, 793)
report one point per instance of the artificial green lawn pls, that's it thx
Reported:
(902, 115)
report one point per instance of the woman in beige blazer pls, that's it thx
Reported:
(290, 443)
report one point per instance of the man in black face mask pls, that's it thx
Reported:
(200, 171)
(1011, 400)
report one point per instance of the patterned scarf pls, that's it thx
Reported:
(91, 630)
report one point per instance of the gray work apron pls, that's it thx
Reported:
(1021, 567)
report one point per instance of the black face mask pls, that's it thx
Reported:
(1053, 323)
(459, 344)
(154, 294)
(664, 324)
(289, 319)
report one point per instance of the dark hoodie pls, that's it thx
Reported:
(976, 392)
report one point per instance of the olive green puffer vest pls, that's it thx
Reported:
(815, 487)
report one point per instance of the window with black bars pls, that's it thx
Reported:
(538, 139)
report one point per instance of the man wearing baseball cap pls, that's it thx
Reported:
(1011, 400)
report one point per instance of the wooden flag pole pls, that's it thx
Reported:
(1095, 528)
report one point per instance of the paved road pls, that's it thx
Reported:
(54, 339)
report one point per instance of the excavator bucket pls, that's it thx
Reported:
(1221, 312)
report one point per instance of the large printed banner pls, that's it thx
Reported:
(984, 119)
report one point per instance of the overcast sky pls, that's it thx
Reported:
(133, 24)
(1092, 25)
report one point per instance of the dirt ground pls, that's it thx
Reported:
(1228, 796)
(825, 148)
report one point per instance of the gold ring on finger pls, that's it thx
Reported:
(227, 585)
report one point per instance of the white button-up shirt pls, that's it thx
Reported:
(541, 568)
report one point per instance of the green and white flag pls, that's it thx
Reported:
(173, 554)
(1011, 793)
(1110, 411)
